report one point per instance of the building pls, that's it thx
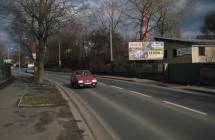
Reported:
(189, 61)
(188, 51)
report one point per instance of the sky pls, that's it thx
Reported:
(190, 26)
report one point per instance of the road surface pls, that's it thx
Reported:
(134, 111)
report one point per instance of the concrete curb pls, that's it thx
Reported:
(6, 82)
(76, 111)
(162, 85)
(117, 78)
(201, 91)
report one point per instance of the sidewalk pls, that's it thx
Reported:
(202, 89)
(33, 123)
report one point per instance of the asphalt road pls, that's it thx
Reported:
(133, 111)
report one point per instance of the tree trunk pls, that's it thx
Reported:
(141, 28)
(40, 63)
(40, 71)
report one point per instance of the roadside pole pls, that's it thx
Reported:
(59, 55)
(19, 59)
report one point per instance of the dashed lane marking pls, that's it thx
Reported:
(116, 87)
(186, 108)
(141, 94)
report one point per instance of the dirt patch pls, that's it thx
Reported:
(44, 120)
(69, 124)
(70, 131)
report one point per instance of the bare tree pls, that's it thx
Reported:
(109, 16)
(209, 24)
(1, 52)
(40, 19)
(161, 16)
(135, 10)
(168, 24)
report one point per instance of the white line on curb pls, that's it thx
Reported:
(116, 87)
(187, 108)
(141, 94)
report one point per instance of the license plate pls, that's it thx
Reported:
(87, 83)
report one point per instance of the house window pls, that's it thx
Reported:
(174, 53)
(165, 53)
(201, 51)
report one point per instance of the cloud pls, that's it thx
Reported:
(6, 39)
(191, 25)
(189, 34)
(181, 3)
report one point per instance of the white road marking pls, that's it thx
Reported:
(116, 87)
(187, 108)
(141, 94)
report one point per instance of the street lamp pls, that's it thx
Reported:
(8, 52)
(19, 58)
(59, 55)
(25, 38)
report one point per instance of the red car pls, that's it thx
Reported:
(83, 78)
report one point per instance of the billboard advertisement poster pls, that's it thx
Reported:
(146, 50)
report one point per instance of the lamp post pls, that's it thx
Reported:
(8, 52)
(19, 58)
(59, 55)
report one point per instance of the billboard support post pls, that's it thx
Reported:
(146, 25)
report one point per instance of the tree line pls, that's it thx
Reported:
(89, 34)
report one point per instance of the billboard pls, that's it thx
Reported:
(146, 50)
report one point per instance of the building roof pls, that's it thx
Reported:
(189, 41)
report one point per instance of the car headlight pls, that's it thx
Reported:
(94, 81)
(80, 81)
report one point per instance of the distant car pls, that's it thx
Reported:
(30, 68)
(83, 78)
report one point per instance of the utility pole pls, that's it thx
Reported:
(59, 55)
(111, 44)
(8, 53)
(19, 59)
(111, 36)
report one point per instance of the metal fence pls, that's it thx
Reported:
(150, 71)
(5, 71)
(198, 73)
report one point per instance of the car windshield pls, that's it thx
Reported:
(83, 73)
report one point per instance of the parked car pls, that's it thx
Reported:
(83, 78)
(30, 68)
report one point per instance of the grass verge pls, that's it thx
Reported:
(40, 101)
